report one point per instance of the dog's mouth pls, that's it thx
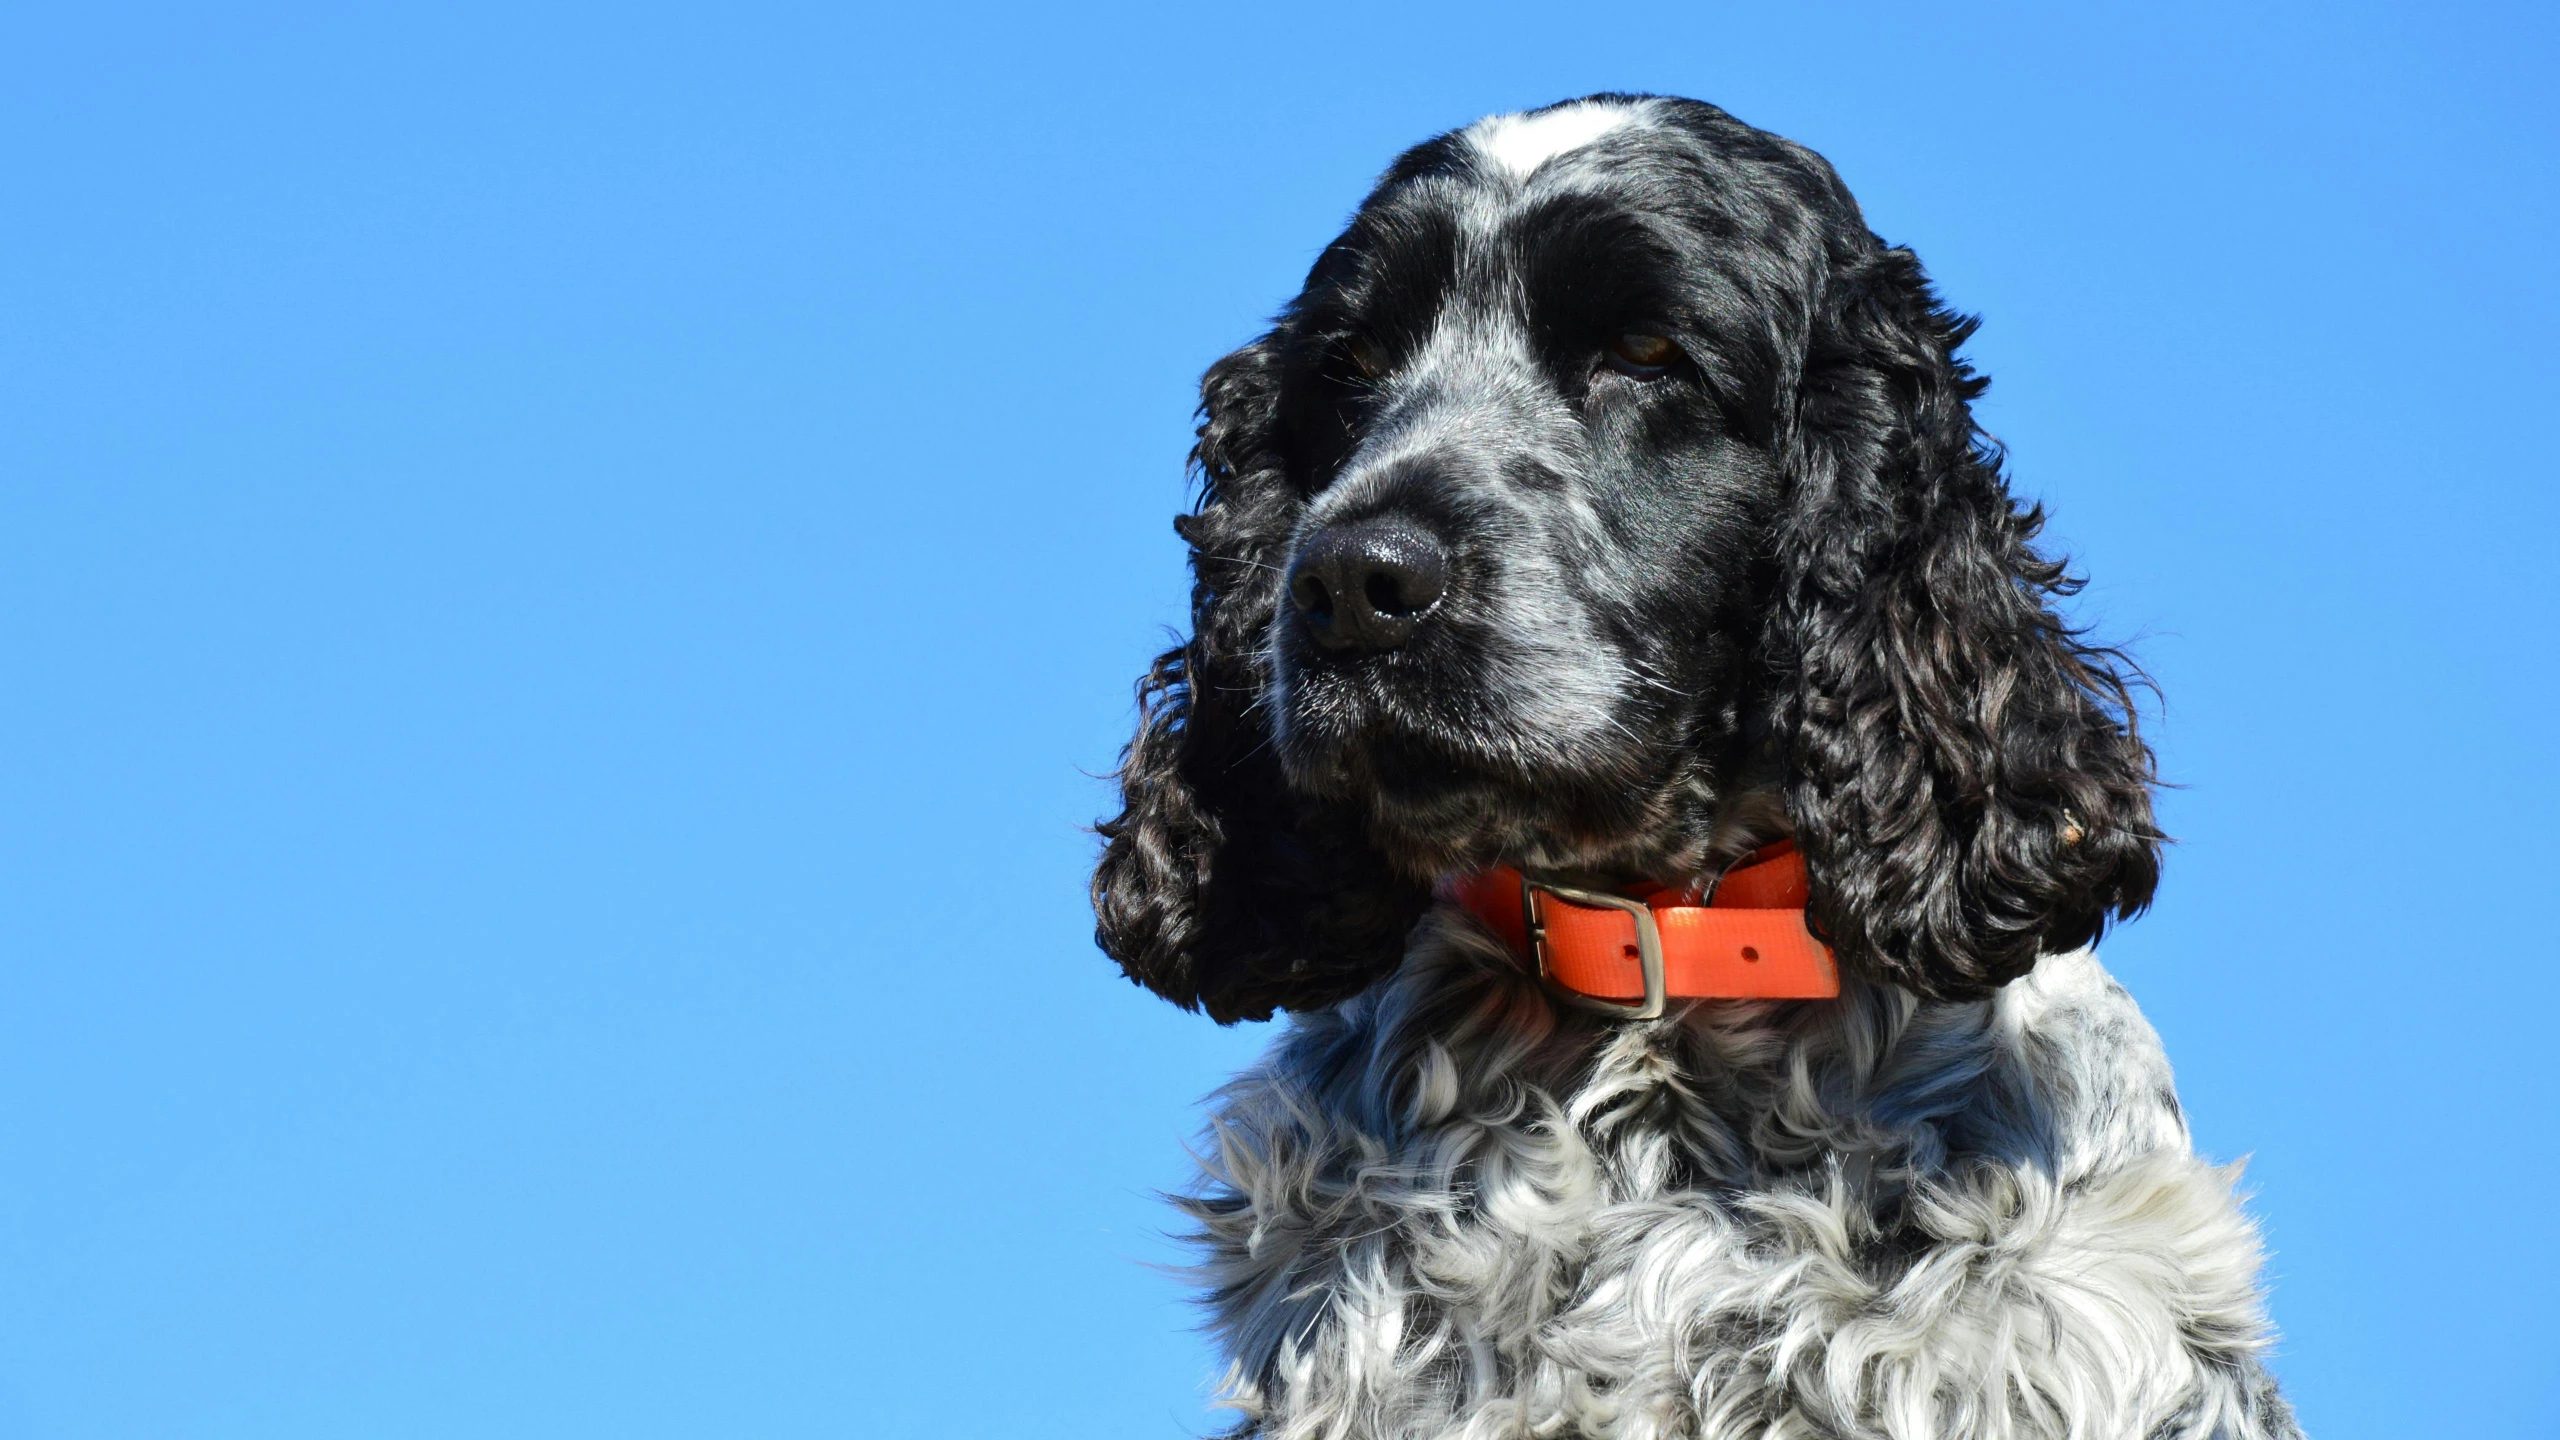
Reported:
(1441, 798)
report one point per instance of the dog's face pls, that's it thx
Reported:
(1539, 504)
(1607, 500)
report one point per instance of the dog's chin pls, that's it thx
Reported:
(1438, 807)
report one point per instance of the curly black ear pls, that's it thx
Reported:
(1966, 777)
(1219, 888)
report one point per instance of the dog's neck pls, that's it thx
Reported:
(1744, 823)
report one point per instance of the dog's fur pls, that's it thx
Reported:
(1777, 587)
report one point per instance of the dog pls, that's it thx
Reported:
(1603, 532)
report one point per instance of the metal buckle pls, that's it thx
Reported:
(1657, 987)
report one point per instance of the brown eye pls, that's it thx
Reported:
(1641, 355)
(1365, 357)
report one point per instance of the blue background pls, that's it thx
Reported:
(565, 572)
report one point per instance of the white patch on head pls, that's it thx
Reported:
(1521, 143)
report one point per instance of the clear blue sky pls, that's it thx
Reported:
(563, 572)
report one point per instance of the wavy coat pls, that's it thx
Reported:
(1718, 556)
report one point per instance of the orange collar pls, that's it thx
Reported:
(1631, 956)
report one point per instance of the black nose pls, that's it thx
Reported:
(1365, 585)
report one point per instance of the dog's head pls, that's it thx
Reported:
(1608, 502)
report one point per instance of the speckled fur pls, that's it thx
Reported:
(1777, 587)
(1450, 1207)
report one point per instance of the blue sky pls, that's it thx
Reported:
(564, 573)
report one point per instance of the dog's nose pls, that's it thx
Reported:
(1365, 585)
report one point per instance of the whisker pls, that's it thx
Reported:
(1640, 670)
(1240, 560)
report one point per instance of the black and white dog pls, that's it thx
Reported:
(1609, 506)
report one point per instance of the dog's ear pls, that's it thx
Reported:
(1218, 888)
(1965, 775)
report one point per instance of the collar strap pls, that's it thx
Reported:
(1631, 955)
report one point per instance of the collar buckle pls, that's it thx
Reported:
(1657, 985)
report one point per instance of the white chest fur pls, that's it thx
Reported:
(1451, 1208)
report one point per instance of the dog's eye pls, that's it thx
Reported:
(1641, 355)
(1366, 359)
